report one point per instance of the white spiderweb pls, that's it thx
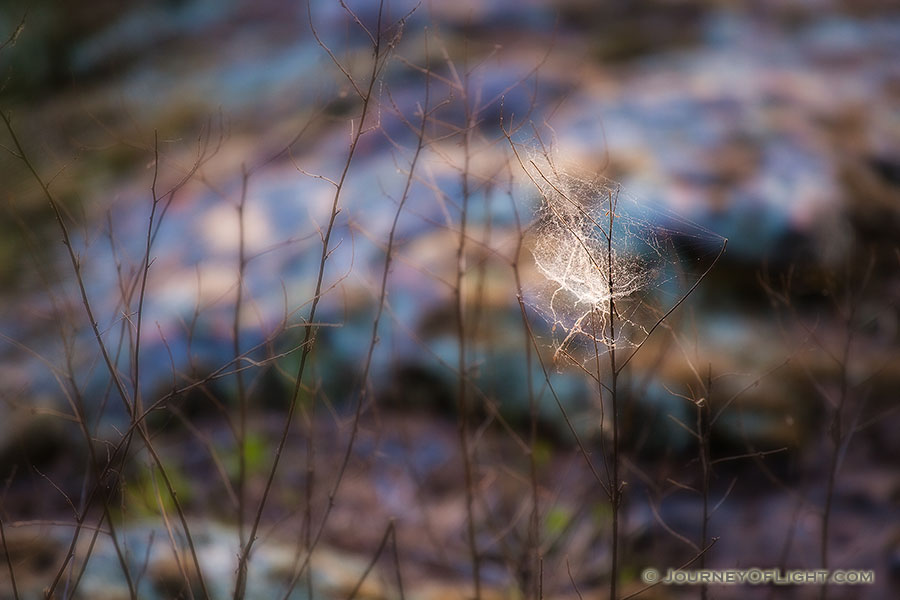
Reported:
(602, 253)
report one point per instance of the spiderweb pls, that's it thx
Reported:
(611, 266)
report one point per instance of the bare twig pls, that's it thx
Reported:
(9, 565)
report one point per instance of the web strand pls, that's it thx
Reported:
(639, 259)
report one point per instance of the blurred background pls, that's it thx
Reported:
(774, 124)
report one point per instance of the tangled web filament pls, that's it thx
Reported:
(594, 251)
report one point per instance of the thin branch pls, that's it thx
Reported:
(683, 566)
(9, 565)
(676, 305)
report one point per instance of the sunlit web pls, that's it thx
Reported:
(599, 249)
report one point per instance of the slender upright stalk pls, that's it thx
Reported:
(361, 399)
(703, 430)
(9, 565)
(615, 490)
(309, 335)
(534, 533)
(838, 440)
(462, 396)
(241, 391)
